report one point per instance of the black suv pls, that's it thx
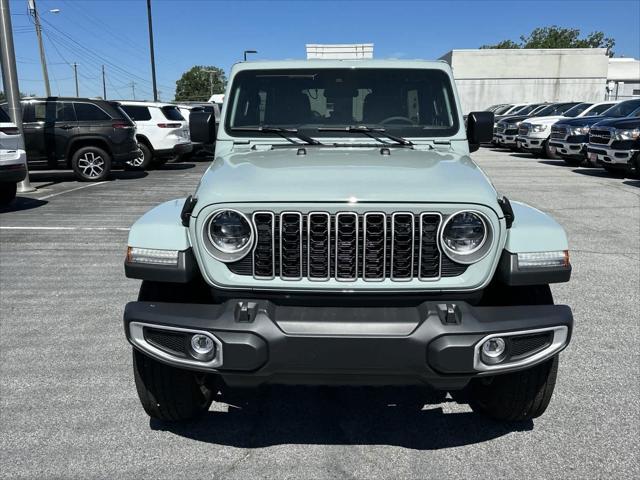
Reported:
(89, 136)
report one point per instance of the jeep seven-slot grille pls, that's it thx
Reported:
(347, 246)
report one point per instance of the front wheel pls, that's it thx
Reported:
(168, 393)
(572, 161)
(517, 396)
(91, 164)
(7, 193)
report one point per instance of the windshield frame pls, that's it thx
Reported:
(450, 99)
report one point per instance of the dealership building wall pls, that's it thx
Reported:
(491, 76)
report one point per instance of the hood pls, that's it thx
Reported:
(545, 120)
(359, 174)
(582, 121)
(620, 123)
(515, 118)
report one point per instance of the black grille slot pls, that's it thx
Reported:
(402, 246)
(175, 343)
(263, 255)
(429, 252)
(525, 345)
(559, 133)
(318, 245)
(346, 246)
(291, 245)
(374, 245)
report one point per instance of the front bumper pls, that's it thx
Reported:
(433, 343)
(178, 149)
(534, 144)
(506, 140)
(569, 149)
(611, 156)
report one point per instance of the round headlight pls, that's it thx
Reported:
(464, 233)
(229, 234)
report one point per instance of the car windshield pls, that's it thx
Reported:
(577, 110)
(3, 116)
(622, 109)
(528, 109)
(501, 110)
(598, 109)
(405, 102)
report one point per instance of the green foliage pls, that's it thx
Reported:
(196, 83)
(559, 37)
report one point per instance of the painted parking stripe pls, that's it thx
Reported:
(71, 190)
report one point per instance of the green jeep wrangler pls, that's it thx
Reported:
(343, 236)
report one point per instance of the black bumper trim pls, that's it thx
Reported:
(262, 351)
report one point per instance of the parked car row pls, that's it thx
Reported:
(605, 134)
(93, 136)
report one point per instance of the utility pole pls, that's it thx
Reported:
(10, 81)
(104, 85)
(133, 89)
(153, 58)
(211, 73)
(75, 74)
(43, 61)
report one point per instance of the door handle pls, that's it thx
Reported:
(66, 127)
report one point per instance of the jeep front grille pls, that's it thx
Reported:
(347, 246)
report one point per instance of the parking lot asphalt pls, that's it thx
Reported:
(68, 401)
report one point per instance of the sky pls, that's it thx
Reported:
(200, 32)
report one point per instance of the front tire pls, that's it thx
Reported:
(91, 164)
(573, 162)
(517, 396)
(7, 193)
(168, 393)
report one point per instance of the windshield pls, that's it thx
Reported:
(622, 109)
(501, 110)
(598, 109)
(406, 102)
(577, 110)
(528, 109)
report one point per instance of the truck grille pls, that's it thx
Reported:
(558, 132)
(523, 130)
(347, 246)
(599, 136)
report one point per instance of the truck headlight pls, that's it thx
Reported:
(580, 130)
(538, 128)
(229, 235)
(511, 126)
(631, 134)
(464, 237)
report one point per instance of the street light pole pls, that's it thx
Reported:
(153, 58)
(10, 81)
(43, 61)
(104, 85)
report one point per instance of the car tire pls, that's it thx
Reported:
(143, 161)
(7, 193)
(168, 393)
(517, 396)
(546, 152)
(91, 164)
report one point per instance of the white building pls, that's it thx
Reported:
(489, 76)
(623, 79)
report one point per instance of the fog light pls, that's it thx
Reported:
(202, 347)
(494, 350)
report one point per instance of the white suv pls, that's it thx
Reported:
(162, 132)
(13, 161)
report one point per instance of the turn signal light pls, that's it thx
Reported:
(150, 256)
(559, 259)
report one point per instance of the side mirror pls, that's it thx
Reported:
(479, 129)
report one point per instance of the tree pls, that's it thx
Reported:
(559, 37)
(200, 82)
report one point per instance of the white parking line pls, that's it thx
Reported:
(71, 190)
(121, 229)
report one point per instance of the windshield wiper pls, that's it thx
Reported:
(285, 133)
(369, 132)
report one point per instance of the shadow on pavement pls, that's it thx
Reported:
(556, 163)
(23, 203)
(600, 173)
(50, 177)
(176, 166)
(340, 416)
(633, 183)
